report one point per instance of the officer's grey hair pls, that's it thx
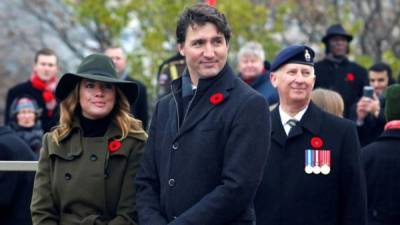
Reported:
(252, 48)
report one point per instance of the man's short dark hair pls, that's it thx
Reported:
(382, 67)
(200, 14)
(44, 51)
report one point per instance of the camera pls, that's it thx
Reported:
(368, 91)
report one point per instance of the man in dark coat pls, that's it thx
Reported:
(313, 174)
(368, 111)
(206, 150)
(337, 72)
(139, 109)
(40, 87)
(382, 166)
(15, 187)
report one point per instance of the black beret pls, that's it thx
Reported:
(294, 54)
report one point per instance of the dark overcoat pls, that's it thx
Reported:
(206, 170)
(290, 196)
(382, 171)
(26, 89)
(347, 78)
(78, 182)
(15, 187)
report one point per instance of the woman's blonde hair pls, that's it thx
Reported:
(329, 101)
(121, 115)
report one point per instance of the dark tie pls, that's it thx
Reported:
(292, 123)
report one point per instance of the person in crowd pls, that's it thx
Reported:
(368, 111)
(336, 72)
(15, 186)
(251, 58)
(169, 70)
(202, 163)
(381, 161)
(139, 109)
(328, 100)
(40, 87)
(89, 161)
(24, 121)
(313, 173)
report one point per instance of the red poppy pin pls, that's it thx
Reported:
(114, 145)
(317, 142)
(350, 77)
(216, 98)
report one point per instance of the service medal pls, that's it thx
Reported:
(309, 161)
(316, 168)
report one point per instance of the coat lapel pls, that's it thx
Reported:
(311, 120)
(200, 110)
(278, 133)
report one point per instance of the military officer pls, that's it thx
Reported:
(313, 173)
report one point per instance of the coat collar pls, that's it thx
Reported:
(311, 121)
(390, 134)
(222, 83)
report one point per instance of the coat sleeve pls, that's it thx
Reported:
(245, 156)
(126, 210)
(43, 207)
(8, 180)
(352, 188)
(147, 182)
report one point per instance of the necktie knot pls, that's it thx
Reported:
(292, 122)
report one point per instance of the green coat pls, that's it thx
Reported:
(80, 182)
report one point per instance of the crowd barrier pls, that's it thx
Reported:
(18, 165)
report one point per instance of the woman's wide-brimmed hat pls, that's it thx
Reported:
(96, 67)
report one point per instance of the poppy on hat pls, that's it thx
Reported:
(97, 67)
(336, 30)
(392, 99)
(300, 54)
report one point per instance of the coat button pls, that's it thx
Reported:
(174, 217)
(67, 176)
(175, 146)
(93, 157)
(171, 182)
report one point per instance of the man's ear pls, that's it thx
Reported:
(273, 79)
(180, 49)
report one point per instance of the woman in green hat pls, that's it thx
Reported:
(89, 161)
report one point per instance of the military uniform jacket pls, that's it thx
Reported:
(347, 78)
(382, 171)
(80, 182)
(290, 196)
(205, 171)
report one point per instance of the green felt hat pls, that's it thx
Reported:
(96, 67)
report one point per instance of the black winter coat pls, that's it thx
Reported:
(382, 171)
(15, 187)
(26, 89)
(206, 170)
(347, 78)
(140, 108)
(290, 196)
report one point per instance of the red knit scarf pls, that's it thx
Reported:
(47, 88)
(394, 124)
